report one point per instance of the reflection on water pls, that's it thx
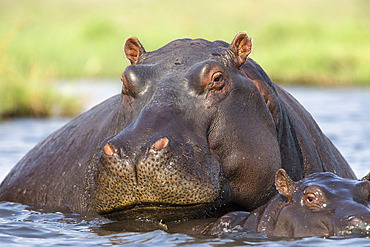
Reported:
(343, 114)
(18, 136)
(20, 226)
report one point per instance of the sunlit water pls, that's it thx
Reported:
(343, 114)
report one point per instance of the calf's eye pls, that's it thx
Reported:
(312, 201)
(310, 198)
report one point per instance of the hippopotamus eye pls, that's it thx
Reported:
(209, 77)
(131, 78)
(310, 198)
(312, 201)
(217, 81)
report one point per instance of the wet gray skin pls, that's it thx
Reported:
(322, 204)
(198, 130)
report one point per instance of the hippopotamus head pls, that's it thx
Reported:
(321, 204)
(196, 135)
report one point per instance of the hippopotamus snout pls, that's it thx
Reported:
(141, 137)
(355, 214)
(359, 225)
(141, 169)
(157, 146)
(159, 135)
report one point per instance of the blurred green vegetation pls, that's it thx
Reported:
(28, 89)
(302, 42)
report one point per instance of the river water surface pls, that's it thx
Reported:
(343, 115)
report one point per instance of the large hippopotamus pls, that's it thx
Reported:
(198, 130)
(321, 204)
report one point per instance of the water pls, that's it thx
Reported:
(343, 115)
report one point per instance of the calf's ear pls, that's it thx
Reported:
(133, 50)
(241, 47)
(366, 177)
(284, 184)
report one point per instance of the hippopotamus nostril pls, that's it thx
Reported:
(160, 144)
(108, 150)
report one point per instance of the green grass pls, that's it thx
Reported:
(28, 90)
(312, 42)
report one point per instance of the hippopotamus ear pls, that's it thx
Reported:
(133, 49)
(241, 47)
(366, 177)
(284, 184)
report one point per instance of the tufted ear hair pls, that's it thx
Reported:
(241, 47)
(284, 184)
(133, 50)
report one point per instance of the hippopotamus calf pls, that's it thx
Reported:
(322, 204)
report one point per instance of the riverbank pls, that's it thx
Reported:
(322, 43)
(32, 92)
(314, 42)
